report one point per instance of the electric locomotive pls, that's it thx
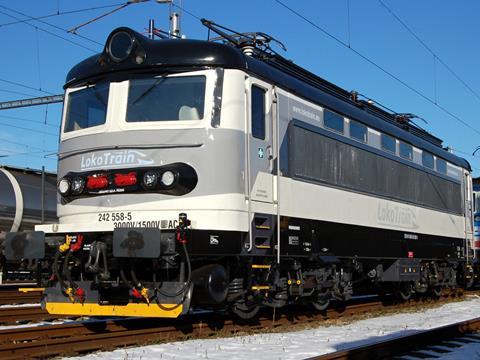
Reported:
(218, 173)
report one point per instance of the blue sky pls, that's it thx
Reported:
(32, 56)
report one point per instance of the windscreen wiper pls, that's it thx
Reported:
(145, 93)
(95, 92)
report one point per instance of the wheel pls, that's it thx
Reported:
(404, 291)
(421, 286)
(321, 301)
(244, 310)
(469, 283)
(436, 290)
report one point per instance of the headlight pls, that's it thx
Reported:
(78, 184)
(120, 46)
(63, 186)
(150, 179)
(168, 178)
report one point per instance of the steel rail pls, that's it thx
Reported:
(14, 296)
(403, 345)
(25, 314)
(82, 337)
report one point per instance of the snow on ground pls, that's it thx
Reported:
(28, 325)
(10, 306)
(308, 343)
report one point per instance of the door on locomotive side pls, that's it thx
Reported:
(261, 149)
(260, 145)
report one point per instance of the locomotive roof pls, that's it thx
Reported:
(174, 55)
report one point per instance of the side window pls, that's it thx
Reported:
(441, 166)
(388, 143)
(406, 150)
(258, 112)
(333, 121)
(427, 159)
(358, 131)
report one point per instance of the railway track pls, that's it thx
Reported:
(14, 296)
(87, 336)
(25, 314)
(424, 344)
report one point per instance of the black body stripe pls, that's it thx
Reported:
(342, 240)
(346, 240)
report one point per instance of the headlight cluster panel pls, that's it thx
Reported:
(174, 179)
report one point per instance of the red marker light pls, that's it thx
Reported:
(97, 182)
(410, 254)
(125, 179)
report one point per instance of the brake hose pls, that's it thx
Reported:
(124, 278)
(189, 279)
(56, 270)
(66, 270)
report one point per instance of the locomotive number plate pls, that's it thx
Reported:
(115, 216)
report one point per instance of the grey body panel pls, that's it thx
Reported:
(213, 153)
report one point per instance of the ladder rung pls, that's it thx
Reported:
(260, 287)
(263, 246)
(27, 290)
(263, 227)
(260, 266)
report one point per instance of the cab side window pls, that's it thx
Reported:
(258, 112)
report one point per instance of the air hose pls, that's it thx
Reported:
(188, 282)
(67, 272)
(56, 270)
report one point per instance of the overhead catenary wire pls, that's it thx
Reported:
(25, 153)
(348, 21)
(38, 60)
(50, 33)
(20, 144)
(17, 92)
(74, 29)
(27, 129)
(429, 49)
(390, 74)
(30, 18)
(30, 154)
(16, 118)
(16, 83)
(61, 13)
(186, 11)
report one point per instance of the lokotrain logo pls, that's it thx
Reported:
(398, 216)
(113, 159)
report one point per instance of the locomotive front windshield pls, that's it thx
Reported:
(166, 99)
(87, 107)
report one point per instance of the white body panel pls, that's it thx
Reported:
(312, 201)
